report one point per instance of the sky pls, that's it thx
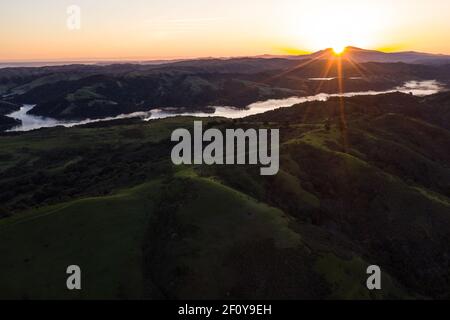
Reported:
(33, 30)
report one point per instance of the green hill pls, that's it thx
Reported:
(160, 240)
(105, 196)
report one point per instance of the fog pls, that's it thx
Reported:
(31, 122)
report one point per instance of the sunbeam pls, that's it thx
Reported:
(342, 116)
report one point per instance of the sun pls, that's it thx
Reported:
(334, 25)
(338, 50)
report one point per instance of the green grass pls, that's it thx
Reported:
(225, 231)
(105, 236)
(44, 81)
(101, 235)
(14, 149)
(241, 216)
(84, 93)
(210, 224)
(347, 278)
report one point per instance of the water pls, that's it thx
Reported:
(31, 122)
(321, 79)
(417, 88)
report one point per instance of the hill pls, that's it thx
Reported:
(374, 190)
(7, 123)
(78, 92)
(364, 55)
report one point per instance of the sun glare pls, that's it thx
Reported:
(335, 25)
(338, 50)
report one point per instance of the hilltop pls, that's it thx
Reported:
(363, 55)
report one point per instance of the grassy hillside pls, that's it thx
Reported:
(102, 235)
(106, 196)
(160, 240)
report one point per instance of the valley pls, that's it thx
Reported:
(76, 93)
(26, 121)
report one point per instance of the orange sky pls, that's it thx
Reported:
(155, 29)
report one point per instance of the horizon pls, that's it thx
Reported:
(175, 59)
(116, 30)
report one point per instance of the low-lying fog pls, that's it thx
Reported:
(31, 122)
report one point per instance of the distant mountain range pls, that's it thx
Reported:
(38, 64)
(363, 55)
(356, 54)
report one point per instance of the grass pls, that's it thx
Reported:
(105, 236)
(211, 223)
(101, 195)
(347, 278)
(101, 235)
(242, 216)
(84, 93)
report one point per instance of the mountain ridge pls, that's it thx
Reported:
(395, 56)
(365, 55)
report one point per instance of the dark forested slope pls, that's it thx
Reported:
(78, 92)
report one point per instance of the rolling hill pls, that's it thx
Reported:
(78, 92)
(374, 190)
(364, 55)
